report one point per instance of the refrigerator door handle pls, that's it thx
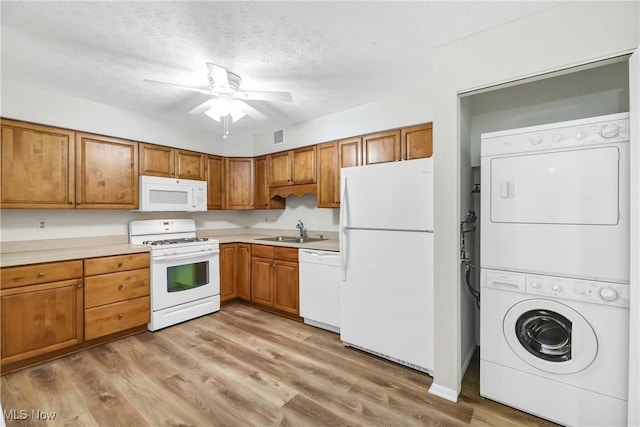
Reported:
(343, 255)
(343, 232)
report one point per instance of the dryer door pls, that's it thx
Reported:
(550, 336)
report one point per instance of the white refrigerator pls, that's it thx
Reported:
(386, 247)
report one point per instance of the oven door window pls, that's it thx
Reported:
(187, 276)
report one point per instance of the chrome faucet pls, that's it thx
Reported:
(300, 226)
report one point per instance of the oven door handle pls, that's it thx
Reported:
(187, 256)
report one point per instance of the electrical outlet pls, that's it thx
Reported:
(42, 224)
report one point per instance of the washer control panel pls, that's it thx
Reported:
(578, 290)
(605, 293)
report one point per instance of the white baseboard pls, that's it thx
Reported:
(444, 392)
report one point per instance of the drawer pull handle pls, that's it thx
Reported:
(119, 264)
(80, 285)
(120, 316)
(41, 274)
(120, 286)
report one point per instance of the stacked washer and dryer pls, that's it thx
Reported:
(554, 331)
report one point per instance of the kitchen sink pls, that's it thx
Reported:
(292, 239)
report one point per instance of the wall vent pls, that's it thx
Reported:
(278, 137)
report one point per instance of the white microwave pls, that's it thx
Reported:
(172, 195)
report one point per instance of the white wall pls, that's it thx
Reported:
(403, 110)
(567, 35)
(37, 105)
(20, 224)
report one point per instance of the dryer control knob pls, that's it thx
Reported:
(581, 134)
(556, 288)
(609, 294)
(610, 131)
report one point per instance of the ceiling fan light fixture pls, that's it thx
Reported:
(236, 113)
(220, 107)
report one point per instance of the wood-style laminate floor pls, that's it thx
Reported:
(240, 367)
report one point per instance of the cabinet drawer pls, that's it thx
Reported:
(11, 277)
(286, 254)
(116, 317)
(262, 251)
(113, 264)
(114, 287)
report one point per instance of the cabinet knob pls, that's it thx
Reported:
(79, 202)
(80, 286)
(70, 202)
(273, 265)
(120, 316)
(120, 286)
(119, 264)
(41, 274)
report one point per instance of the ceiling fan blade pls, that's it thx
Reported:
(265, 96)
(192, 89)
(202, 107)
(218, 74)
(250, 111)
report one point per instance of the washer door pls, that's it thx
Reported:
(550, 336)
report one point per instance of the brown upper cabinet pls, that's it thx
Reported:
(106, 172)
(158, 160)
(261, 193)
(292, 167)
(239, 178)
(215, 182)
(333, 156)
(417, 142)
(45, 167)
(38, 166)
(401, 144)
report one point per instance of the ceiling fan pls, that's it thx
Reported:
(227, 98)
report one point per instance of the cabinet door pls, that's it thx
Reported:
(40, 319)
(239, 182)
(157, 160)
(190, 165)
(381, 147)
(328, 190)
(38, 166)
(261, 281)
(243, 273)
(349, 153)
(417, 142)
(215, 182)
(228, 270)
(279, 169)
(286, 286)
(303, 165)
(107, 172)
(261, 200)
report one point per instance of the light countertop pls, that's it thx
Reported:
(34, 252)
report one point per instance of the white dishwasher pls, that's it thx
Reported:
(320, 288)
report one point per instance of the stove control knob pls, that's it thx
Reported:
(556, 287)
(581, 134)
(536, 140)
(609, 294)
(579, 290)
(166, 252)
(610, 131)
(174, 252)
(557, 138)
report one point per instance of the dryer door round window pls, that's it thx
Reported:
(550, 336)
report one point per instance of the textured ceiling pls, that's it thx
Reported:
(331, 56)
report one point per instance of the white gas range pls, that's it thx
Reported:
(185, 270)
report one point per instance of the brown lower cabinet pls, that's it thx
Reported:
(53, 309)
(235, 271)
(274, 277)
